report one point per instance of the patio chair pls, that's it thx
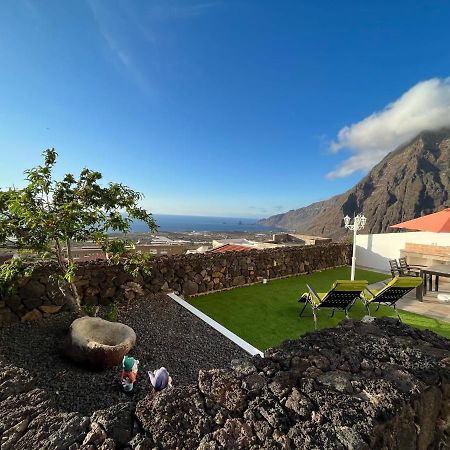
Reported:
(403, 269)
(409, 270)
(391, 293)
(395, 269)
(342, 295)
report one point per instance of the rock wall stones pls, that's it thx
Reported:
(193, 274)
(30, 420)
(380, 385)
(99, 283)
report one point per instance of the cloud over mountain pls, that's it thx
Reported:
(426, 106)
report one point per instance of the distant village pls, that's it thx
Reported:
(163, 245)
(173, 243)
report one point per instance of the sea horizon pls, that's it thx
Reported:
(189, 223)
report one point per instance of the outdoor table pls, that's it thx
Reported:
(439, 270)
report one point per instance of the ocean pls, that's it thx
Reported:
(169, 222)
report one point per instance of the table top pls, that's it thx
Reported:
(439, 269)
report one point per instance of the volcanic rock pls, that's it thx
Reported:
(116, 421)
(398, 401)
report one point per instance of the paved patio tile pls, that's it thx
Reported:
(430, 307)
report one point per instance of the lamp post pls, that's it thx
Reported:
(359, 222)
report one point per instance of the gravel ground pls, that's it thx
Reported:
(167, 335)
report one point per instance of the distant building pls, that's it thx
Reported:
(219, 243)
(155, 246)
(231, 248)
(161, 245)
(87, 253)
(201, 249)
(243, 243)
(294, 239)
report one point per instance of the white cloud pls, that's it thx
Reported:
(426, 106)
(174, 9)
(126, 27)
(114, 28)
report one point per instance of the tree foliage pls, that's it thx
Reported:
(48, 215)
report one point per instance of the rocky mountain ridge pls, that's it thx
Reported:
(409, 182)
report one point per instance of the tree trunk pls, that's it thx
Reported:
(70, 292)
(76, 297)
(68, 288)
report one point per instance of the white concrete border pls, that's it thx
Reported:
(221, 329)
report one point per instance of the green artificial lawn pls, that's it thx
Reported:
(267, 314)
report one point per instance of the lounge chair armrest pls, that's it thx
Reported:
(370, 292)
(313, 292)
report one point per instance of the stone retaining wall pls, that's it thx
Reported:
(99, 283)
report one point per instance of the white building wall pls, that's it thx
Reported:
(374, 250)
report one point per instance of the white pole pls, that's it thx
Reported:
(354, 250)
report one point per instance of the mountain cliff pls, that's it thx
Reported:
(411, 181)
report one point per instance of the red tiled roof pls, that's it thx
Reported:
(231, 248)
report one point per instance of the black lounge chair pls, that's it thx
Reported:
(342, 295)
(391, 293)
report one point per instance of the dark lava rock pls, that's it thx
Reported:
(167, 335)
(190, 287)
(382, 385)
(337, 380)
(360, 386)
(165, 413)
(46, 400)
(222, 387)
(117, 421)
(33, 289)
(29, 419)
(53, 430)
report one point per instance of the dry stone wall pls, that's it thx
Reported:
(100, 283)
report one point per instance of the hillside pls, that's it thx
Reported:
(411, 181)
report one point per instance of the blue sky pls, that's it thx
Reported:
(228, 108)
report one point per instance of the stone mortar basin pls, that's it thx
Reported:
(97, 343)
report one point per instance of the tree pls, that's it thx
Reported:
(47, 216)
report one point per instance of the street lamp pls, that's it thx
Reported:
(358, 224)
